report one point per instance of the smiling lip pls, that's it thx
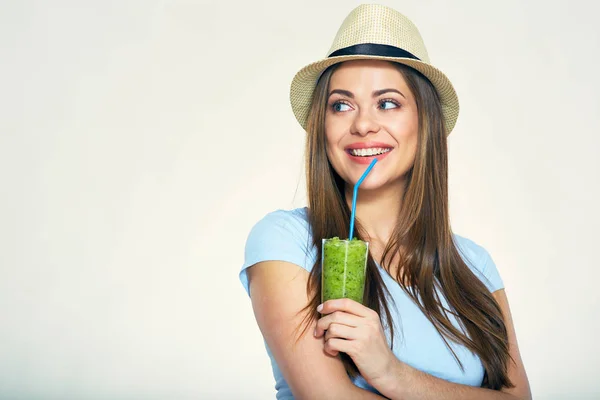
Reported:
(367, 145)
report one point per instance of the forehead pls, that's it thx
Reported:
(368, 75)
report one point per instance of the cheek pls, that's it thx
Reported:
(412, 151)
(329, 144)
(407, 140)
(330, 154)
(411, 139)
(411, 146)
(332, 138)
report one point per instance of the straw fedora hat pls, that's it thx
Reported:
(376, 32)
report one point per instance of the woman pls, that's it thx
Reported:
(435, 321)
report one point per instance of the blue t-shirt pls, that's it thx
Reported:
(285, 235)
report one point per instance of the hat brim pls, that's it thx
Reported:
(304, 82)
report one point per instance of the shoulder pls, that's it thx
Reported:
(470, 251)
(294, 220)
(281, 235)
(479, 260)
(281, 228)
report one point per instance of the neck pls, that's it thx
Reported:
(377, 210)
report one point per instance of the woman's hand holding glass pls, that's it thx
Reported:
(349, 327)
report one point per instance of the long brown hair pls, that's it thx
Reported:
(422, 239)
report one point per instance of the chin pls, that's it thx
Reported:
(370, 183)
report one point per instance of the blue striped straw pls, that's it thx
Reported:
(355, 195)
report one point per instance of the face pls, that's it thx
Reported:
(371, 113)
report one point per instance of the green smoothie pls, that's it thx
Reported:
(343, 265)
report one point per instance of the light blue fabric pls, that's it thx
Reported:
(284, 235)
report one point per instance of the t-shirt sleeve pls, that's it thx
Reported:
(279, 236)
(480, 262)
(489, 271)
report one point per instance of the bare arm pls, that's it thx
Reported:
(278, 293)
(408, 383)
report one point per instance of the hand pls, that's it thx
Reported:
(356, 330)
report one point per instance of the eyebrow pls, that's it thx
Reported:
(375, 92)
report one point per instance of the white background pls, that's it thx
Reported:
(141, 140)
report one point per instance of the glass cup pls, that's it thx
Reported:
(343, 266)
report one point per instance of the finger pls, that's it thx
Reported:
(334, 346)
(341, 332)
(338, 317)
(346, 305)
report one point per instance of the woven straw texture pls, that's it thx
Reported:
(371, 23)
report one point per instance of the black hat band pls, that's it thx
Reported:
(373, 49)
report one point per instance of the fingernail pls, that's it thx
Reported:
(315, 332)
(320, 308)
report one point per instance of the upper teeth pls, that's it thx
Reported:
(368, 152)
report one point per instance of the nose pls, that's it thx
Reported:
(364, 124)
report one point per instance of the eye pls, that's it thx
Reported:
(388, 104)
(340, 106)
